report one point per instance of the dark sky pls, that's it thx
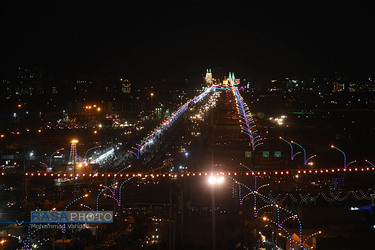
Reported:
(182, 40)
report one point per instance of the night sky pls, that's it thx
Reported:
(256, 41)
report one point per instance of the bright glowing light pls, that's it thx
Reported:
(220, 179)
(212, 179)
(74, 141)
(215, 180)
(103, 156)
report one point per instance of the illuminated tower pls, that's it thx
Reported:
(231, 78)
(209, 77)
(73, 155)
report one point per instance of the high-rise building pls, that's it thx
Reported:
(82, 86)
(126, 86)
(29, 81)
(339, 84)
(208, 77)
(6, 89)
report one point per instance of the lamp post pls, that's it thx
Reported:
(261, 143)
(372, 164)
(50, 158)
(307, 160)
(304, 152)
(343, 153)
(291, 147)
(347, 165)
(137, 152)
(255, 192)
(63, 227)
(299, 152)
(214, 181)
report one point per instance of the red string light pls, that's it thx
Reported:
(189, 174)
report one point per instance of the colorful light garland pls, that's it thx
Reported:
(259, 173)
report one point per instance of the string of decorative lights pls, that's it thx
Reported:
(272, 203)
(120, 189)
(167, 123)
(259, 173)
(245, 116)
(281, 227)
(300, 199)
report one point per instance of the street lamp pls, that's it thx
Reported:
(294, 156)
(307, 160)
(255, 192)
(372, 164)
(261, 143)
(291, 147)
(347, 165)
(304, 152)
(214, 181)
(343, 153)
(50, 158)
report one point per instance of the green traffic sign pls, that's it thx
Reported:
(248, 154)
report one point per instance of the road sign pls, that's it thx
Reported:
(248, 154)
(266, 154)
(166, 113)
(277, 154)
